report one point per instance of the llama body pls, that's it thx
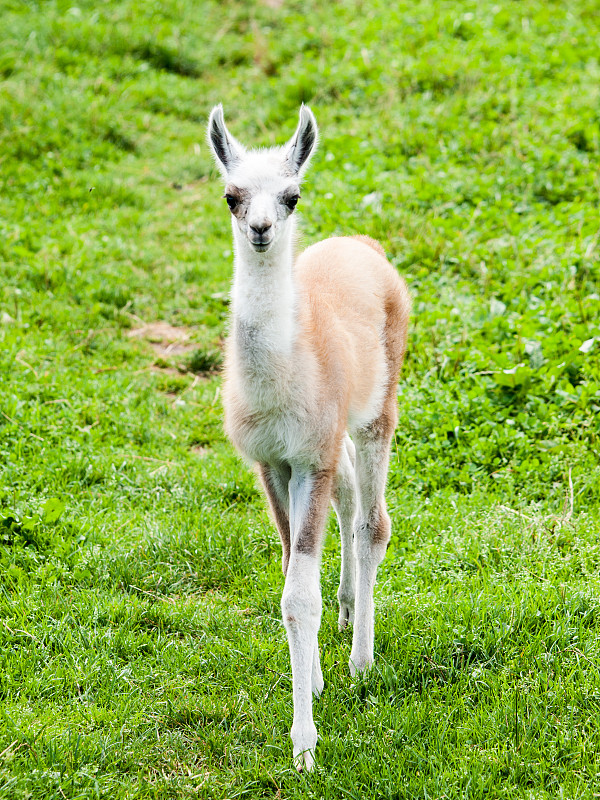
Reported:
(314, 353)
(328, 342)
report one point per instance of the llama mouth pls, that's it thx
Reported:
(261, 247)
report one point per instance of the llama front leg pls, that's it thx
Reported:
(371, 536)
(301, 610)
(301, 604)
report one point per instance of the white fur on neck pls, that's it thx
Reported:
(263, 293)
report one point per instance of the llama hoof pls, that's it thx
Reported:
(360, 664)
(346, 617)
(305, 761)
(304, 748)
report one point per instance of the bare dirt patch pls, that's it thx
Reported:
(176, 353)
(166, 340)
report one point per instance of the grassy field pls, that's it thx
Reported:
(142, 653)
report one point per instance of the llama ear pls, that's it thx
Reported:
(298, 150)
(227, 150)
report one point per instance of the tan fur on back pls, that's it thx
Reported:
(371, 242)
(353, 290)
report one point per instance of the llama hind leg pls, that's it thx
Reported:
(372, 530)
(344, 503)
(275, 481)
(317, 681)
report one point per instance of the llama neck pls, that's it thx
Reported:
(264, 296)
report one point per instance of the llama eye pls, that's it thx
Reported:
(232, 201)
(292, 202)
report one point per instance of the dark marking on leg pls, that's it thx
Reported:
(273, 485)
(380, 527)
(377, 527)
(309, 535)
(383, 426)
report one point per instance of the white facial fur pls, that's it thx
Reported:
(262, 186)
(263, 205)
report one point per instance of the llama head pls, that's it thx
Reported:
(262, 187)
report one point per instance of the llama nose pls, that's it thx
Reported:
(261, 228)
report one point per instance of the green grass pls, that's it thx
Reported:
(141, 649)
